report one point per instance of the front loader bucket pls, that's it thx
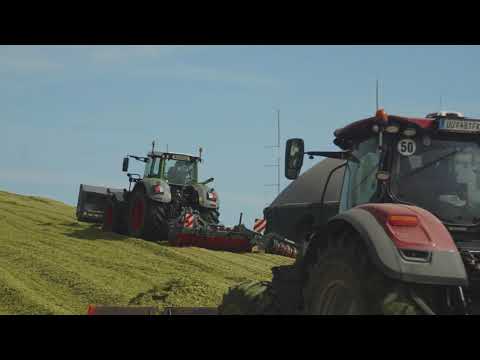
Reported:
(91, 202)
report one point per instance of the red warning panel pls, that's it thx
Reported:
(260, 225)
(188, 221)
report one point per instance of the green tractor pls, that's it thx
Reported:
(169, 188)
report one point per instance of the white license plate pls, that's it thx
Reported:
(181, 157)
(459, 125)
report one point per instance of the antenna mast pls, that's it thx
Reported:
(277, 146)
(376, 96)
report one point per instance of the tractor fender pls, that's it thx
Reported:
(387, 245)
(203, 201)
(148, 185)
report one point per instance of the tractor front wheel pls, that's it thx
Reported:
(147, 219)
(112, 217)
(137, 219)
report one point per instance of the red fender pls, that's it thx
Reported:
(428, 235)
(406, 242)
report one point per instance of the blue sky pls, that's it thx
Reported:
(69, 114)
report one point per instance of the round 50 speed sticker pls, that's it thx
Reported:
(407, 147)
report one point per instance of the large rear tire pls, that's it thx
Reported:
(343, 281)
(146, 218)
(339, 280)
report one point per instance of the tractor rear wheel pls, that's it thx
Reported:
(343, 281)
(113, 217)
(338, 281)
(146, 218)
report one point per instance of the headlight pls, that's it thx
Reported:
(157, 189)
(212, 196)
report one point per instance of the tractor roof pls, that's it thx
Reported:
(357, 128)
(162, 153)
(362, 128)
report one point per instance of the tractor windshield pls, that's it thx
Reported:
(180, 172)
(441, 175)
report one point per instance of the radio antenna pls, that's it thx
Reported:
(376, 96)
(277, 147)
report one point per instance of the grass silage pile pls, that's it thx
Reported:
(52, 264)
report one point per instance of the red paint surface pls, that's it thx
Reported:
(429, 235)
(260, 225)
(137, 214)
(91, 310)
(364, 124)
(213, 196)
(109, 215)
(213, 242)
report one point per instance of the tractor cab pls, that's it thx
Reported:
(431, 162)
(176, 169)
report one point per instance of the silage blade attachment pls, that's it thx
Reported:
(91, 202)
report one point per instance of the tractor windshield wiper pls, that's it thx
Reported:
(427, 165)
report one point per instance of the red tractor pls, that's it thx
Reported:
(405, 225)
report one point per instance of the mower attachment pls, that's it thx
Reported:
(211, 237)
(190, 230)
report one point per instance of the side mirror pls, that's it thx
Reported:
(208, 181)
(125, 164)
(294, 151)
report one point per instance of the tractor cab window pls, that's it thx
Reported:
(360, 182)
(156, 167)
(441, 175)
(148, 166)
(180, 171)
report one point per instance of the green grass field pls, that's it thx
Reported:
(52, 264)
